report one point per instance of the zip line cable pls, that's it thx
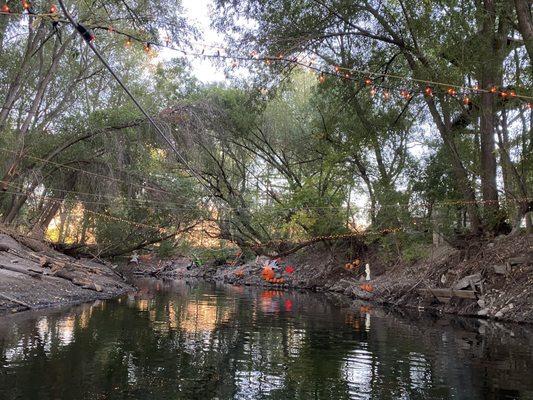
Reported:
(442, 203)
(87, 37)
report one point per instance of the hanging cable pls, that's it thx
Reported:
(88, 38)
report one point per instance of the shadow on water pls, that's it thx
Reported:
(179, 340)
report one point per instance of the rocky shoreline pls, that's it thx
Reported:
(495, 283)
(34, 276)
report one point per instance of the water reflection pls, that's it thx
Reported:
(174, 340)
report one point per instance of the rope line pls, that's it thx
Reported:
(110, 178)
(449, 202)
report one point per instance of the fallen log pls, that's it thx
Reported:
(445, 295)
(83, 283)
(26, 271)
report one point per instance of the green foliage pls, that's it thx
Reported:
(166, 249)
(280, 156)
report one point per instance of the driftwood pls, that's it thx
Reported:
(524, 259)
(444, 295)
(34, 273)
(13, 300)
(84, 283)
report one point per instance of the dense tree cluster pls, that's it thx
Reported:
(306, 158)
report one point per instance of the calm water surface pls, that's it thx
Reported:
(178, 340)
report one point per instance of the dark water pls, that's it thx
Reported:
(201, 341)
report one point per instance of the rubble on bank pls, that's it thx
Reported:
(494, 281)
(34, 276)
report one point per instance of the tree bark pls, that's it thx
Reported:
(525, 25)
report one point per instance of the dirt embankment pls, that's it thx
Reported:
(492, 279)
(33, 276)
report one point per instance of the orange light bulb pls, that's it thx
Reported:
(53, 9)
(5, 8)
(405, 94)
(428, 91)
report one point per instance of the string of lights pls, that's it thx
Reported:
(267, 244)
(110, 199)
(359, 76)
(357, 234)
(316, 239)
(364, 78)
(442, 203)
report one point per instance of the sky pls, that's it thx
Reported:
(198, 12)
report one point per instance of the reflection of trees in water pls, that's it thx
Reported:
(201, 342)
(456, 358)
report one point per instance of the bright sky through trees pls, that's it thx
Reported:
(198, 12)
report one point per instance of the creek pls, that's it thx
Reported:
(201, 340)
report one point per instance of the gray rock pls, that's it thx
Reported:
(483, 312)
(500, 269)
(356, 291)
(470, 280)
(341, 286)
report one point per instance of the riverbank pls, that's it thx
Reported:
(34, 276)
(489, 279)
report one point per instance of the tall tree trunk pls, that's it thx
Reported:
(525, 25)
(459, 170)
(491, 60)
